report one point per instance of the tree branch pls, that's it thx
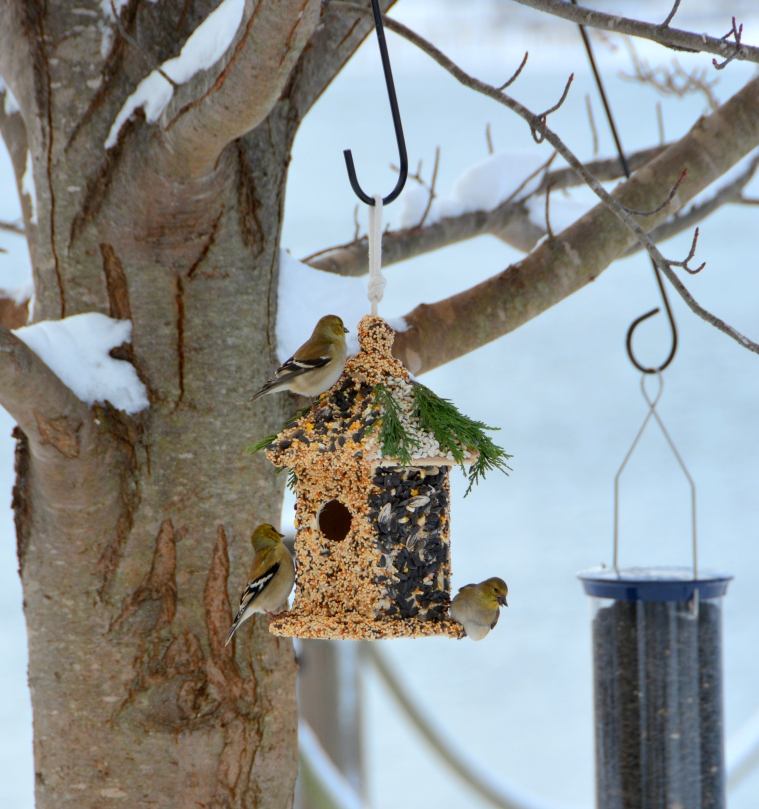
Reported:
(508, 222)
(741, 136)
(217, 107)
(338, 36)
(45, 409)
(729, 194)
(447, 329)
(674, 38)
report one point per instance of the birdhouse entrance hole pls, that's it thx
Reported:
(335, 520)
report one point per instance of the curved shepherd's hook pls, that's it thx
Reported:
(639, 320)
(396, 122)
(657, 274)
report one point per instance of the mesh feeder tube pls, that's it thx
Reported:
(657, 681)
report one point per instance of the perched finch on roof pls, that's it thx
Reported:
(477, 606)
(316, 365)
(272, 576)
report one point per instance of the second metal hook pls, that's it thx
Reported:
(403, 157)
(626, 169)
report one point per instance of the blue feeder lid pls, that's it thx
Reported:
(652, 583)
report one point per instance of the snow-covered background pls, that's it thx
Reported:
(561, 388)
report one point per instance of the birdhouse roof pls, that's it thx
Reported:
(345, 422)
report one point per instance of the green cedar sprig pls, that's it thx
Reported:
(393, 438)
(252, 449)
(459, 435)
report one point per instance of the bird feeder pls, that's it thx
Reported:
(657, 663)
(372, 544)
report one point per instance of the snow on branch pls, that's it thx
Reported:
(491, 197)
(221, 105)
(77, 350)
(742, 110)
(225, 81)
(35, 397)
(203, 48)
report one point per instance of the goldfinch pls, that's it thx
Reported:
(272, 576)
(478, 606)
(316, 365)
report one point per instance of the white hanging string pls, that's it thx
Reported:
(376, 279)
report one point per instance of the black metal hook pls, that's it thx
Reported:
(657, 274)
(403, 173)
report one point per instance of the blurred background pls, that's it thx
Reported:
(517, 707)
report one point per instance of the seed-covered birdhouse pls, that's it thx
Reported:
(370, 462)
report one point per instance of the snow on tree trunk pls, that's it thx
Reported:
(133, 530)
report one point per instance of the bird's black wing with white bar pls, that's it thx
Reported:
(293, 367)
(252, 591)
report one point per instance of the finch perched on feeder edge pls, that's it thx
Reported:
(478, 606)
(272, 576)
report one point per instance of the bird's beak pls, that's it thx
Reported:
(345, 331)
(503, 602)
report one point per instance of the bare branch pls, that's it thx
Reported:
(614, 203)
(515, 74)
(12, 227)
(549, 229)
(736, 33)
(538, 128)
(36, 398)
(730, 193)
(672, 80)
(663, 205)
(592, 122)
(334, 42)
(674, 38)
(509, 222)
(660, 122)
(671, 14)
(217, 107)
(139, 49)
(691, 254)
(489, 139)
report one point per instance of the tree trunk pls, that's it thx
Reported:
(132, 531)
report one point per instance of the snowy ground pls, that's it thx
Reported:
(564, 394)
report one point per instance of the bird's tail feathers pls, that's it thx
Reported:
(270, 387)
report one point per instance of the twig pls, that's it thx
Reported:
(658, 208)
(691, 253)
(356, 224)
(674, 38)
(534, 122)
(489, 139)
(591, 120)
(433, 183)
(671, 14)
(543, 168)
(549, 229)
(660, 122)
(734, 32)
(12, 227)
(538, 127)
(728, 194)
(136, 45)
(515, 74)
(671, 80)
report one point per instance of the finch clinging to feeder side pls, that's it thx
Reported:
(272, 576)
(478, 606)
(316, 365)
